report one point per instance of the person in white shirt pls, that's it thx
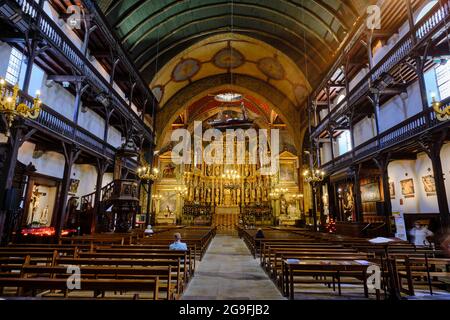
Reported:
(419, 234)
(148, 231)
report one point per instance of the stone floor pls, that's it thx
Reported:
(229, 272)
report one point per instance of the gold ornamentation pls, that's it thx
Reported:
(441, 114)
(10, 108)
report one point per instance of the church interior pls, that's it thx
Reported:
(225, 150)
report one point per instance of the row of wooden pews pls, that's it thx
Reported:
(111, 266)
(297, 259)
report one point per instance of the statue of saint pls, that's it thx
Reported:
(227, 200)
(44, 216)
(217, 199)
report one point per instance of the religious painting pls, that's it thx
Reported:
(408, 188)
(370, 192)
(345, 194)
(168, 203)
(73, 188)
(286, 172)
(429, 185)
(168, 170)
(392, 189)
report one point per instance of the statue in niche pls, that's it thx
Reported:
(217, 198)
(196, 197)
(209, 170)
(43, 220)
(246, 170)
(258, 194)
(208, 195)
(227, 198)
(348, 204)
(238, 196)
(35, 203)
(284, 205)
(216, 171)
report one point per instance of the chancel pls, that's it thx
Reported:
(298, 149)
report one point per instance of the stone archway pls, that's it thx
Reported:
(288, 112)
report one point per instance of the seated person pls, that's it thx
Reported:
(178, 245)
(259, 234)
(148, 231)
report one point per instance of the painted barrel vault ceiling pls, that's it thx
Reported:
(309, 32)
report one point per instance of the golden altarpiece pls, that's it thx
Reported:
(230, 193)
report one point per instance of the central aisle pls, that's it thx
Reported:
(229, 272)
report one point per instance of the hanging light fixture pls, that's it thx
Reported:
(146, 173)
(11, 108)
(230, 96)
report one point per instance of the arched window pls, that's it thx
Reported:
(426, 9)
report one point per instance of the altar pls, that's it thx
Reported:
(226, 217)
(165, 220)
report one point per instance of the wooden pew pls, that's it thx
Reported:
(422, 270)
(296, 273)
(94, 285)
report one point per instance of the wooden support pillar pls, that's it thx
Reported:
(33, 51)
(113, 72)
(332, 200)
(19, 134)
(71, 153)
(357, 192)
(382, 162)
(330, 129)
(133, 85)
(109, 112)
(432, 145)
(101, 167)
(79, 90)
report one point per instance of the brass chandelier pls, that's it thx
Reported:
(11, 108)
(146, 173)
(313, 175)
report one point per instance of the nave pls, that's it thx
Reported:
(286, 263)
(229, 272)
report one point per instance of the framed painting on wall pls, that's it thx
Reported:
(287, 171)
(408, 188)
(370, 192)
(73, 188)
(167, 204)
(429, 185)
(392, 189)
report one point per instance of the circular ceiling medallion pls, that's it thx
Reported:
(185, 69)
(271, 68)
(158, 92)
(228, 58)
(300, 92)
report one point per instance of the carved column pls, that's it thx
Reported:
(357, 192)
(331, 200)
(101, 167)
(19, 134)
(71, 154)
(432, 145)
(382, 162)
